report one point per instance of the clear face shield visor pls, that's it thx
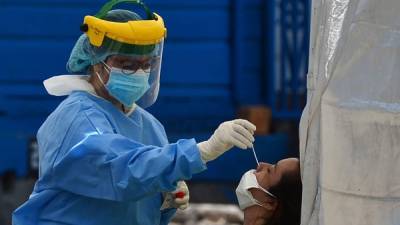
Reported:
(130, 46)
(131, 59)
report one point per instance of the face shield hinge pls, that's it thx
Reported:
(84, 27)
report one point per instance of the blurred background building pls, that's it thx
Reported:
(223, 59)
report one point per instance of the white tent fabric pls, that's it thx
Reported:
(350, 127)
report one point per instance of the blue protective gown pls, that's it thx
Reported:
(99, 166)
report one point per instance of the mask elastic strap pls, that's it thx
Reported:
(101, 80)
(107, 67)
(260, 204)
(267, 192)
(109, 5)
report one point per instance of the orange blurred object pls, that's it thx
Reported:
(258, 115)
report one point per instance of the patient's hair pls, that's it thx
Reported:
(288, 191)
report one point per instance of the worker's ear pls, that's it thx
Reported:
(97, 68)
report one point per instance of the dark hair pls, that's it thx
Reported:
(288, 191)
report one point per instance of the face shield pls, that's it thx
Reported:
(132, 45)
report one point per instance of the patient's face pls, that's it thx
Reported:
(270, 175)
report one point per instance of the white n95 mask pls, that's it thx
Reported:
(245, 198)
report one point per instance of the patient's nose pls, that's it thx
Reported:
(263, 166)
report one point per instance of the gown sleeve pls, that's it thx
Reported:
(96, 162)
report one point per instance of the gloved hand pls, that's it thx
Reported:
(179, 198)
(237, 133)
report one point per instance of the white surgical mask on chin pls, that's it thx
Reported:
(243, 194)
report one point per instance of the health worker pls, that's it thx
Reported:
(103, 158)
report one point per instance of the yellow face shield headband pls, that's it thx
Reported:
(136, 32)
